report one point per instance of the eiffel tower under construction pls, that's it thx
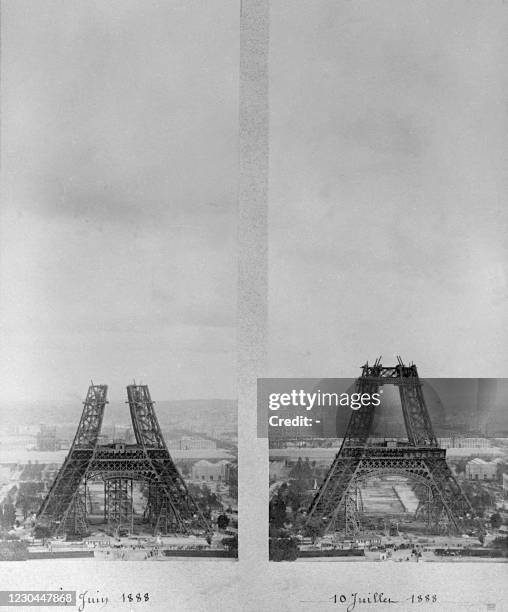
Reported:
(170, 507)
(444, 508)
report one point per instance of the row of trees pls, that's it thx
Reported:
(7, 514)
(30, 496)
(283, 548)
(8, 509)
(205, 498)
(27, 499)
(479, 497)
(13, 550)
(287, 512)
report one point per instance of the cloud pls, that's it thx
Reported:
(120, 130)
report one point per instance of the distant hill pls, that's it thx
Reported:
(69, 413)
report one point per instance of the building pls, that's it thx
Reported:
(479, 469)
(464, 442)
(123, 432)
(46, 439)
(191, 443)
(208, 471)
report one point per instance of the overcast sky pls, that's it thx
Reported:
(388, 186)
(119, 178)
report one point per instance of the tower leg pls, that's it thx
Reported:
(60, 497)
(73, 522)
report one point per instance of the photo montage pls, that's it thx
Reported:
(118, 421)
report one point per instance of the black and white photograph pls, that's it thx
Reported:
(253, 305)
(392, 468)
(118, 435)
(387, 265)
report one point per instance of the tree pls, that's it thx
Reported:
(301, 474)
(502, 468)
(233, 482)
(296, 495)
(29, 497)
(8, 514)
(277, 511)
(314, 528)
(41, 532)
(496, 521)
(283, 549)
(299, 520)
(460, 465)
(222, 521)
(230, 543)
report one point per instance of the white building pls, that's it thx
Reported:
(464, 442)
(208, 471)
(191, 443)
(479, 469)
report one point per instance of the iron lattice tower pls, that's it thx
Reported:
(170, 508)
(445, 508)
